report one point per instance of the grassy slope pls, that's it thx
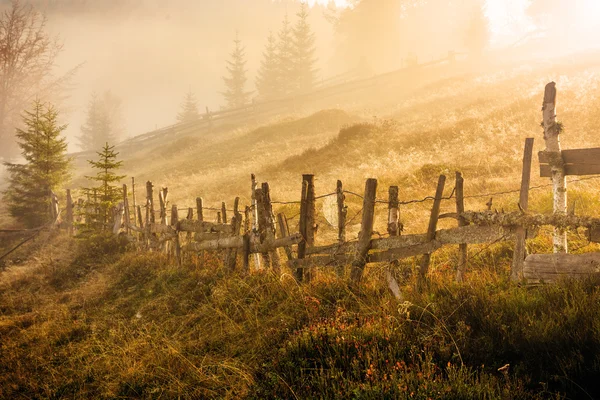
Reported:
(92, 322)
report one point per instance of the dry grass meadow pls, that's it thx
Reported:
(95, 318)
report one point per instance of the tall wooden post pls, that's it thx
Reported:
(236, 225)
(126, 209)
(224, 212)
(460, 209)
(559, 181)
(133, 199)
(521, 234)
(270, 226)
(342, 212)
(366, 231)
(150, 218)
(393, 229)
(199, 207)
(175, 224)
(431, 230)
(284, 231)
(261, 222)
(69, 216)
(302, 229)
(163, 199)
(255, 215)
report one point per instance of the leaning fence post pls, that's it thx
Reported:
(393, 230)
(69, 216)
(262, 224)
(302, 229)
(270, 226)
(366, 231)
(133, 198)
(255, 215)
(199, 209)
(175, 225)
(149, 203)
(236, 224)
(163, 198)
(460, 209)
(342, 212)
(284, 232)
(224, 212)
(431, 230)
(559, 181)
(521, 234)
(126, 209)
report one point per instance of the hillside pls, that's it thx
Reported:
(97, 318)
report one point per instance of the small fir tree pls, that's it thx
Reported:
(107, 194)
(189, 109)
(285, 58)
(98, 128)
(235, 81)
(304, 52)
(267, 80)
(45, 170)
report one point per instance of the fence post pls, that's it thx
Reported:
(69, 216)
(199, 207)
(366, 231)
(460, 209)
(302, 228)
(260, 208)
(521, 234)
(393, 230)
(342, 212)
(270, 226)
(284, 231)
(175, 224)
(133, 199)
(236, 225)
(431, 230)
(163, 198)
(126, 209)
(224, 212)
(149, 203)
(559, 181)
(118, 218)
(255, 215)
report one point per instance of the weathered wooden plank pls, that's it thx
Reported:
(203, 226)
(321, 261)
(160, 228)
(571, 169)
(342, 212)
(549, 267)
(283, 232)
(336, 248)
(404, 252)
(574, 156)
(237, 242)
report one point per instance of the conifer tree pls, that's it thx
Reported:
(285, 58)
(46, 166)
(108, 193)
(189, 109)
(267, 80)
(235, 81)
(98, 128)
(304, 52)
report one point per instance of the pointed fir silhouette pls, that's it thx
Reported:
(45, 170)
(106, 193)
(235, 80)
(267, 80)
(189, 109)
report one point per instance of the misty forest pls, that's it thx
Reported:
(299, 199)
